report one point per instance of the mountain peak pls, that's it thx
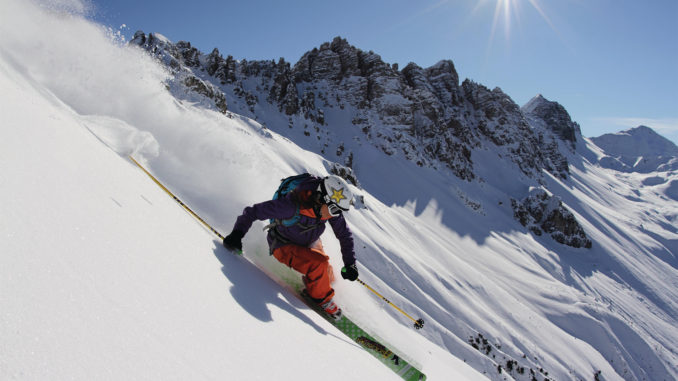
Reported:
(637, 141)
(638, 149)
(533, 103)
(645, 132)
(554, 117)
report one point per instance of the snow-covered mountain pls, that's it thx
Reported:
(424, 115)
(495, 223)
(338, 99)
(638, 149)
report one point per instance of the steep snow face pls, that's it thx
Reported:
(133, 286)
(638, 149)
(103, 275)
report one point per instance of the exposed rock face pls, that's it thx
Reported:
(220, 68)
(541, 212)
(182, 59)
(499, 119)
(422, 114)
(555, 118)
(555, 131)
(195, 85)
(345, 173)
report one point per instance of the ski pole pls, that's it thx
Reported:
(177, 200)
(418, 324)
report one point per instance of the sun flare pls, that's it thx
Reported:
(508, 13)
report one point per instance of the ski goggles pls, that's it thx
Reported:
(334, 209)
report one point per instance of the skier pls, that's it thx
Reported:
(298, 220)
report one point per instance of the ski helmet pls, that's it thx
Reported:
(336, 194)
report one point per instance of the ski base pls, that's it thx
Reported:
(369, 343)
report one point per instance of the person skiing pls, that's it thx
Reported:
(298, 216)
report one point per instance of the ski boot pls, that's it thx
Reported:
(332, 309)
(329, 307)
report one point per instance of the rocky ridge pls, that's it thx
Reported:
(422, 114)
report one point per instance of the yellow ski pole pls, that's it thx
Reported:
(177, 200)
(418, 324)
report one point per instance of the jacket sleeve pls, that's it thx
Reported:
(281, 208)
(345, 237)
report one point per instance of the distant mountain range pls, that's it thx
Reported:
(638, 149)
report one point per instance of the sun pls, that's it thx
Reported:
(509, 12)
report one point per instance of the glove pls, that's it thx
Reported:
(350, 272)
(233, 241)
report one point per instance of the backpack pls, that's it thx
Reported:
(287, 185)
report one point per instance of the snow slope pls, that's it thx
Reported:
(104, 276)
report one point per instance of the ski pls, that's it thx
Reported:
(380, 351)
(289, 279)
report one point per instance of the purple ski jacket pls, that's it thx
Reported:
(285, 208)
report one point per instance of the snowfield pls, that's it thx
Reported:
(104, 276)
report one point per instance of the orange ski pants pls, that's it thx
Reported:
(314, 264)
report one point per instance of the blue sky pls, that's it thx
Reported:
(612, 64)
